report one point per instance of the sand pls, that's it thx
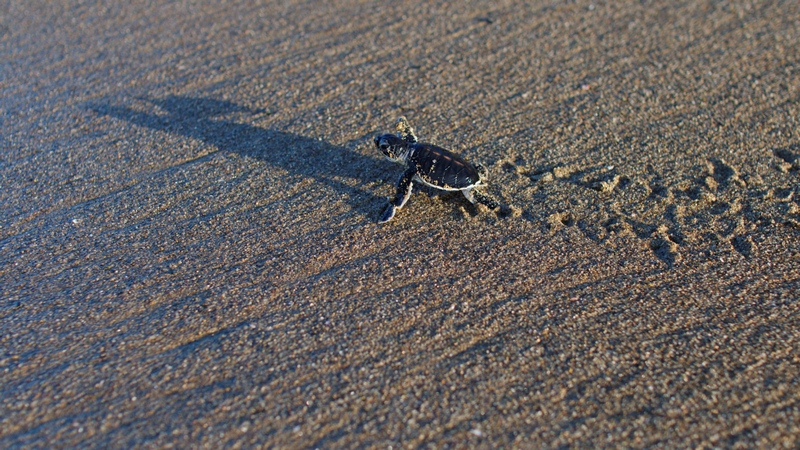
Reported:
(189, 253)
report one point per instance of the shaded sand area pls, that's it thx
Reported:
(189, 254)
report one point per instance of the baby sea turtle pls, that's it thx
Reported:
(430, 165)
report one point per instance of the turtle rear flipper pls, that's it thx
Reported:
(484, 174)
(480, 197)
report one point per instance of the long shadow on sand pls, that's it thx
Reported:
(197, 117)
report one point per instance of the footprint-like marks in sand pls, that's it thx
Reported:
(790, 158)
(715, 207)
(665, 246)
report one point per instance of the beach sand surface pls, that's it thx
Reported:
(189, 253)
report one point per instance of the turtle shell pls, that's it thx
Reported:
(443, 169)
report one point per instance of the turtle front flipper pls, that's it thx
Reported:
(388, 213)
(405, 130)
(403, 193)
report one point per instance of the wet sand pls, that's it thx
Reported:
(189, 253)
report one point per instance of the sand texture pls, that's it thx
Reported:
(189, 253)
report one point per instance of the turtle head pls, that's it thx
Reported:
(393, 147)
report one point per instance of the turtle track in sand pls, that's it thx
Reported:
(715, 207)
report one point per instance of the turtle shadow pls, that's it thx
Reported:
(199, 118)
